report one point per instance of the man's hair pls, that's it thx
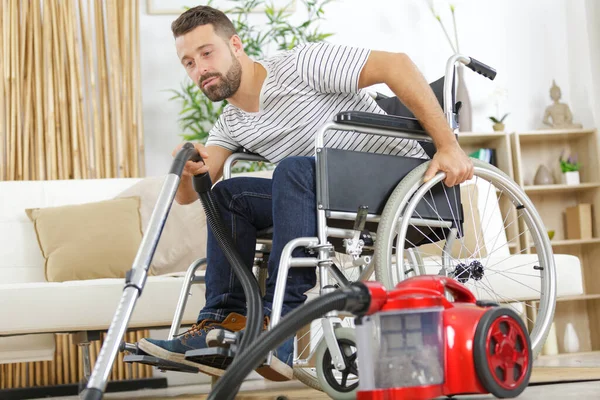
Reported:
(203, 15)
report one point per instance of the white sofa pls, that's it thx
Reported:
(33, 309)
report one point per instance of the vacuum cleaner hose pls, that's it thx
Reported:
(249, 283)
(202, 185)
(354, 298)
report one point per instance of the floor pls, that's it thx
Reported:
(559, 377)
(579, 390)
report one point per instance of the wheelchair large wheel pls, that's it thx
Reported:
(486, 234)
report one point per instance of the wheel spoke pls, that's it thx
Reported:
(521, 359)
(499, 336)
(345, 377)
(509, 375)
(496, 363)
(513, 335)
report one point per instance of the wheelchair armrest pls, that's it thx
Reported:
(248, 153)
(241, 155)
(383, 121)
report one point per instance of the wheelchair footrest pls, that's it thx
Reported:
(216, 357)
(160, 363)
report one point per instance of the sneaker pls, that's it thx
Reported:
(280, 368)
(192, 339)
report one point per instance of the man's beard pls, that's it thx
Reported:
(226, 86)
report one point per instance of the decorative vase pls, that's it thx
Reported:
(571, 178)
(571, 341)
(465, 118)
(498, 127)
(543, 176)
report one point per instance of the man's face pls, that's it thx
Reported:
(210, 62)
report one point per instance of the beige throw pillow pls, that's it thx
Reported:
(88, 241)
(184, 235)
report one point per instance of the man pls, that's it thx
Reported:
(275, 108)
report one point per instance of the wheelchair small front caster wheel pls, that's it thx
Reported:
(341, 385)
(502, 353)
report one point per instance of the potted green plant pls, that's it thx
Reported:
(498, 123)
(570, 169)
(198, 114)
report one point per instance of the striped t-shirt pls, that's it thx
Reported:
(304, 88)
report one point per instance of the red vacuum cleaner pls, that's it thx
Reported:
(430, 337)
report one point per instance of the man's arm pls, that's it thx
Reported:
(214, 159)
(402, 76)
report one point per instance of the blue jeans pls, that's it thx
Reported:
(247, 205)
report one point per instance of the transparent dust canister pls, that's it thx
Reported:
(402, 347)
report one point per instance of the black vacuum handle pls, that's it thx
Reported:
(482, 69)
(195, 155)
(187, 152)
(201, 182)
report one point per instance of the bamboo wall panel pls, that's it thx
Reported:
(70, 101)
(70, 108)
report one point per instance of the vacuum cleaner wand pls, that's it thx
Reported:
(136, 277)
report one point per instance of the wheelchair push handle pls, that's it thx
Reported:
(482, 68)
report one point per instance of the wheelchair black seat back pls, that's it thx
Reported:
(353, 179)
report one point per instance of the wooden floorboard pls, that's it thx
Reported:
(564, 374)
(540, 375)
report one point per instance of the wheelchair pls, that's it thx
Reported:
(375, 224)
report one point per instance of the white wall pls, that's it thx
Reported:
(530, 43)
(160, 71)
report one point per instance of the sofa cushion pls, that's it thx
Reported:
(40, 307)
(183, 238)
(21, 259)
(88, 241)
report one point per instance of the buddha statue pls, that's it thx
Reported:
(558, 115)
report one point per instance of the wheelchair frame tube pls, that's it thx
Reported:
(190, 279)
(375, 218)
(235, 157)
(449, 88)
(319, 139)
(286, 262)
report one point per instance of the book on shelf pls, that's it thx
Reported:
(485, 154)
